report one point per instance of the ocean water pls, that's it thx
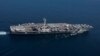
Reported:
(68, 11)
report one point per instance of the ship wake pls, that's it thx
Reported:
(3, 33)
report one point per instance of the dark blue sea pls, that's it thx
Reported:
(14, 12)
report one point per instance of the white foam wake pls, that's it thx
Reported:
(3, 33)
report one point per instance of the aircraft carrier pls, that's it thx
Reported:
(49, 28)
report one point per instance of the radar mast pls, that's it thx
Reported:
(45, 21)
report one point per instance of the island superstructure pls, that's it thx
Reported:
(48, 28)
